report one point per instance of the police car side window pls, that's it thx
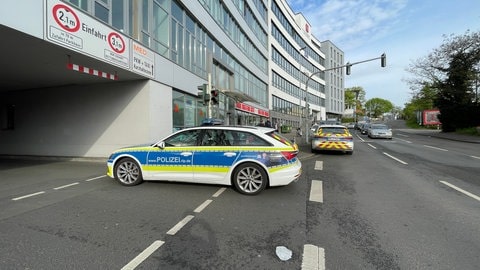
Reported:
(241, 138)
(186, 138)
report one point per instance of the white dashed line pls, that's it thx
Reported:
(475, 157)
(316, 191)
(27, 196)
(403, 140)
(220, 191)
(142, 256)
(95, 178)
(180, 225)
(436, 148)
(318, 165)
(394, 158)
(65, 186)
(202, 206)
(313, 258)
(461, 190)
(372, 146)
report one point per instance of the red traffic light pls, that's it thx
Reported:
(214, 97)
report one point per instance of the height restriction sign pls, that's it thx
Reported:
(73, 29)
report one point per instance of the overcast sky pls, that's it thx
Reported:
(405, 30)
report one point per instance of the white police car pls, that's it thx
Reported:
(249, 158)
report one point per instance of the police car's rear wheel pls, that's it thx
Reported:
(249, 179)
(128, 173)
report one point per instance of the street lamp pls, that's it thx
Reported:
(300, 88)
(356, 91)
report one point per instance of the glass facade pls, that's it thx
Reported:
(168, 28)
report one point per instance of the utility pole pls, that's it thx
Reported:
(348, 66)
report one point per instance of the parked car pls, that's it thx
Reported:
(350, 125)
(379, 131)
(248, 158)
(332, 138)
(364, 128)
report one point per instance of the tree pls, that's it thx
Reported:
(378, 106)
(451, 70)
(423, 100)
(350, 96)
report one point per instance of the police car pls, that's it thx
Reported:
(332, 138)
(249, 158)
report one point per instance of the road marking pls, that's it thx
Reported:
(461, 190)
(313, 258)
(436, 148)
(475, 157)
(69, 185)
(318, 165)
(316, 191)
(27, 196)
(392, 157)
(371, 145)
(403, 140)
(400, 134)
(220, 191)
(95, 178)
(202, 206)
(142, 256)
(180, 225)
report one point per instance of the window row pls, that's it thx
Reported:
(291, 31)
(222, 16)
(295, 72)
(252, 21)
(293, 52)
(286, 107)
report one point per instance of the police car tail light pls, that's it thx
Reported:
(289, 155)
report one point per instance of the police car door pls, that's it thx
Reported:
(173, 161)
(214, 156)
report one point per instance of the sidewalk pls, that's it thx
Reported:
(442, 135)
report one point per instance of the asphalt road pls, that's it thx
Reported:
(407, 203)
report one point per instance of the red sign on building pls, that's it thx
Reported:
(248, 108)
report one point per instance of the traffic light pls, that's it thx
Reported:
(348, 67)
(383, 60)
(202, 89)
(214, 97)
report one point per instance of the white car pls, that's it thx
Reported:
(379, 131)
(249, 158)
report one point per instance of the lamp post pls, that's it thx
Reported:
(300, 88)
(356, 91)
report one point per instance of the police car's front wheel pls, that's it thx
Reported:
(250, 179)
(128, 173)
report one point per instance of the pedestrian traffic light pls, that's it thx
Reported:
(348, 67)
(383, 60)
(202, 89)
(214, 97)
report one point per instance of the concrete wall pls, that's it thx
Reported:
(87, 120)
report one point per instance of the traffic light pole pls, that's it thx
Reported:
(383, 63)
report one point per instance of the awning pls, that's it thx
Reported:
(238, 96)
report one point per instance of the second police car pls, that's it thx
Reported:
(249, 158)
(332, 138)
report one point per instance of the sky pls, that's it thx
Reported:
(405, 30)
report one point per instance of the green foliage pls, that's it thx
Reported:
(449, 77)
(378, 106)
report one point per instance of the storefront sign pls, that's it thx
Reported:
(248, 108)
